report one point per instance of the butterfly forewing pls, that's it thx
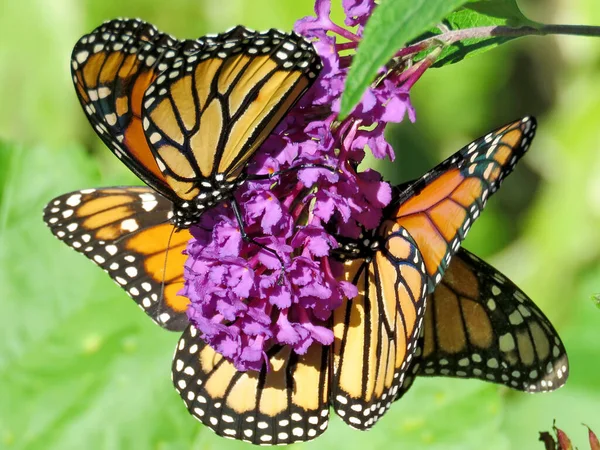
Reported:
(209, 112)
(479, 324)
(439, 209)
(286, 403)
(376, 332)
(126, 231)
(112, 68)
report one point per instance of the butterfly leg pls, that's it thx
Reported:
(269, 176)
(246, 238)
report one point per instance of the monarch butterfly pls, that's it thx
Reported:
(186, 116)
(477, 323)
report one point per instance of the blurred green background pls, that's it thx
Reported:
(82, 367)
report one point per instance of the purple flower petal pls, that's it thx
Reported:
(227, 238)
(280, 296)
(286, 333)
(262, 204)
(309, 26)
(315, 240)
(357, 11)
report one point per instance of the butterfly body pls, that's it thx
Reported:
(188, 213)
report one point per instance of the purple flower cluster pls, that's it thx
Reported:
(242, 299)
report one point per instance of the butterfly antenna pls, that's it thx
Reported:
(268, 176)
(246, 238)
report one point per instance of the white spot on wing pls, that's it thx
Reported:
(129, 225)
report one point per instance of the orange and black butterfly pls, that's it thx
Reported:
(184, 116)
(474, 324)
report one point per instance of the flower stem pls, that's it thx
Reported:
(344, 33)
(449, 37)
(573, 30)
(346, 46)
(411, 75)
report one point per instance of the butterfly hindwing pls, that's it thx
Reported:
(376, 332)
(210, 111)
(286, 403)
(479, 324)
(438, 209)
(126, 231)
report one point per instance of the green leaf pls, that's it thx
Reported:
(476, 14)
(392, 25)
(506, 12)
(596, 300)
(464, 19)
